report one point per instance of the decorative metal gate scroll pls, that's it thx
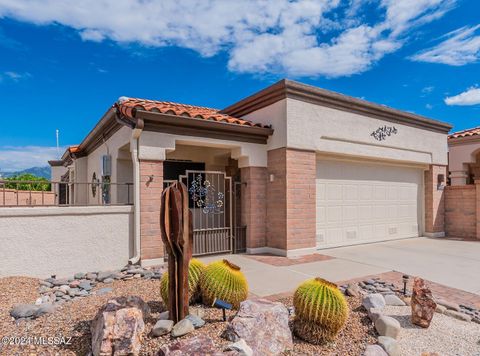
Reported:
(210, 200)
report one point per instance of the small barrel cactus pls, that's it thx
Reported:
(320, 311)
(195, 270)
(223, 280)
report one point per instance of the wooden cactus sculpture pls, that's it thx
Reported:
(177, 235)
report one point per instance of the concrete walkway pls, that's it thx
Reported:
(452, 263)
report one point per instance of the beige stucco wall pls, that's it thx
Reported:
(39, 242)
(459, 157)
(322, 129)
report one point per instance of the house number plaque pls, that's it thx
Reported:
(381, 133)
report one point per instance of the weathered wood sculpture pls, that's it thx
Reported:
(177, 235)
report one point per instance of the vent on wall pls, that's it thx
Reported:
(392, 230)
(351, 235)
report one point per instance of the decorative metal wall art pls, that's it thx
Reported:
(381, 133)
(205, 195)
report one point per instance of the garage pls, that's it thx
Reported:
(360, 202)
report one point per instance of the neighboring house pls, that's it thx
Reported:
(294, 167)
(464, 156)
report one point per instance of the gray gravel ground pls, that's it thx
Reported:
(446, 336)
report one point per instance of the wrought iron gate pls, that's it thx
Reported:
(210, 200)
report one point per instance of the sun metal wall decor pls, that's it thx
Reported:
(205, 196)
(381, 133)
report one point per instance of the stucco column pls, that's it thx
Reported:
(291, 202)
(254, 206)
(434, 201)
(477, 207)
(151, 187)
(458, 177)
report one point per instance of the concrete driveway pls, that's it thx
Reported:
(452, 263)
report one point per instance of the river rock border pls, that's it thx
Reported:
(377, 294)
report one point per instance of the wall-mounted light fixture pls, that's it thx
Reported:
(272, 178)
(440, 181)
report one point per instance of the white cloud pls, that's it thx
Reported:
(15, 158)
(471, 96)
(429, 106)
(428, 90)
(304, 37)
(15, 76)
(461, 47)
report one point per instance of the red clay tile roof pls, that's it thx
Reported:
(73, 149)
(129, 106)
(468, 132)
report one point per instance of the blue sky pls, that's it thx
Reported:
(63, 63)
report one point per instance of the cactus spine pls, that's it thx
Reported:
(195, 270)
(223, 280)
(320, 311)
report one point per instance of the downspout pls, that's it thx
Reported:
(134, 144)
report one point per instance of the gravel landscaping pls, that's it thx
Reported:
(446, 336)
(72, 320)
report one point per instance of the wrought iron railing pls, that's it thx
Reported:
(14, 193)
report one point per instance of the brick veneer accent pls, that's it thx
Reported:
(434, 200)
(254, 204)
(151, 245)
(461, 211)
(291, 199)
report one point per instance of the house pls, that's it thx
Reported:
(464, 156)
(288, 170)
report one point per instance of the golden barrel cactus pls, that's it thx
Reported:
(321, 311)
(195, 270)
(223, 280)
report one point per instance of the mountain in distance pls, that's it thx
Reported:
(44, 172)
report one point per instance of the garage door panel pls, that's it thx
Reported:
(358, 202)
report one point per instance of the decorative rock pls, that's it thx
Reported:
(387, 326)
(81, 293)
(196, 321)
(458, 315)
(183, 327)
(369, 282)
(64, 289)
(197, 311)
(74, 284)
(59, 282)
(392, 299)
(353, 290)
(103, 291)
(44, 309)
(448, 305)
(24, 311)
(46, 284)
(389, 345)
(263, 325)
(476, 320)
(104, 275)
(373, 301)
(91, 276)
(374, 314)
(440, 309)
(374, 350)
(43, 289)
(79, 275)
(118, 327)
(164, 315)
(162, 327)
(86, 286)
(422, 304)
(198, 345)
(241, 348)
(38, 301)
(108, 280)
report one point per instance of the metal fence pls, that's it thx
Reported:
(15, 193)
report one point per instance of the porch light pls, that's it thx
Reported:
(221, 304)
(405, 279)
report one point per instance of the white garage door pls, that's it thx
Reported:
(359, 202)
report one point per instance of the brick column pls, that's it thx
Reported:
(291, 206)
(434, 202)
(254, 205)
(151, 246)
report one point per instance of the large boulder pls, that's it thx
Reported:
(375, 300)
(422, 304)
(374, 350)
(387, 326)
(263, 325)
(196, 346)
(118, 327)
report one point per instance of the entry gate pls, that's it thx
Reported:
(214, 203)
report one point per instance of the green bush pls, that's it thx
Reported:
(320, 311)
(34, 183)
